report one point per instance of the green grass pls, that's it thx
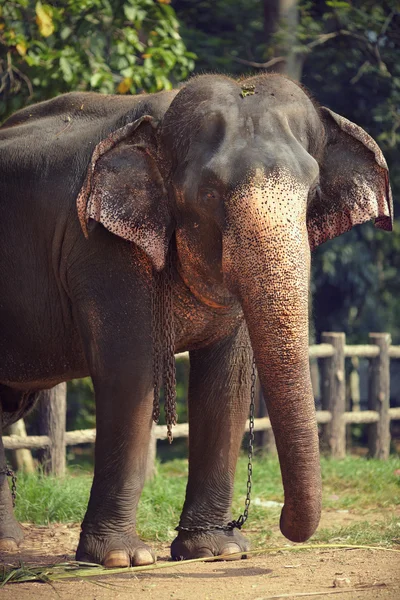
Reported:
(42, 499)
(361, 483)
(360, 486)
(385, 532)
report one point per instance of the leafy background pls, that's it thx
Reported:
(110, 47)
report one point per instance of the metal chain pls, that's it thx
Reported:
(238, 523)
(157, 344)
(169, 351)
(10, 473)
(163, 342)
(243, 518)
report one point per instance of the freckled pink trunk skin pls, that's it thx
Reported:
(266, 261)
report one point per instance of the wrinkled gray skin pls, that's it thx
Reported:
(240, 188)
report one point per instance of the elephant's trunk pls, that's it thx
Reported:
(266, 262)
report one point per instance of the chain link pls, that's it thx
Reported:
(238, 523)
(10, 473)
(169, 356)
(156, 341)
(163, 343)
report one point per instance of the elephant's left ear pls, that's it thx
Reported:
(354, 182)
(125, 192)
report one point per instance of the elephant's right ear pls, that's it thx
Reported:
(124, 190)
(354, 182)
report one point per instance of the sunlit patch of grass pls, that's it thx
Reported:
(44, 499)
(385, 532)
(354, 483)
(358, 483)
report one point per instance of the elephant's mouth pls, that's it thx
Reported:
(199, 267)
(210, 300)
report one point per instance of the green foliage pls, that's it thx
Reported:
(124, 46)
(222, 31)
(357, 74)
(81, 413)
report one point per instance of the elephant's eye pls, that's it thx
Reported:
(210, 195)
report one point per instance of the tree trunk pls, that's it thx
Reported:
(282, 16)
(151, 457)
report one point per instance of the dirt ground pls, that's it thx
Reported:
(352, 574)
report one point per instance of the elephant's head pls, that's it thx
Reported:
(250, 176)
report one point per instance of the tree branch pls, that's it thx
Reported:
(360, 72)
(387, 23)
(322, 39)
(269, 63)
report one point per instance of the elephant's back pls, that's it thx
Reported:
(45, 148)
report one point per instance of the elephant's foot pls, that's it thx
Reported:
(116, 550)
(11, 532)
(11, 535)
(207, 544)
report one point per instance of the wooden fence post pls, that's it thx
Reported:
(265, 440)
(53, 408)
(379, 397)
(152, 454)
(333, 395)
(21, 459)
(354, 384)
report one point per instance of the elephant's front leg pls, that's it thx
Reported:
(123, 424)
(219, 399)
(11, 533)
(115, 321)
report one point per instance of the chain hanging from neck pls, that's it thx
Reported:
(156, 339)
(163, 340)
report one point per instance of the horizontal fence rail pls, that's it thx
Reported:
(181, 430)
(326, 350)
(333, 417)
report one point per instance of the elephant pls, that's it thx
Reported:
(135, 227)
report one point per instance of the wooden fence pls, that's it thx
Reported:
(333, 417)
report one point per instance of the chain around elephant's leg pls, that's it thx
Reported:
(11, 533)
(219, 398)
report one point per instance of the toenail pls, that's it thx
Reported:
(116, 558)
(143, 557)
